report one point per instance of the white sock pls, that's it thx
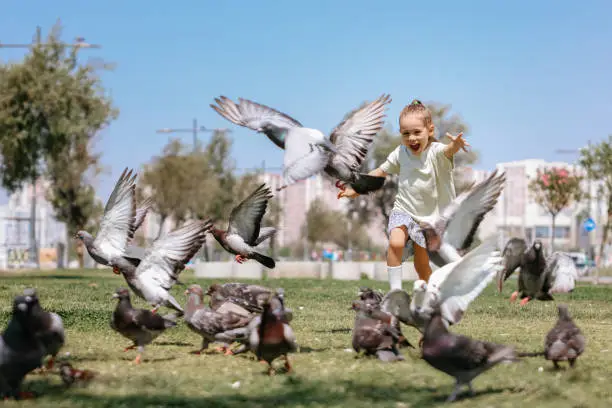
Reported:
(395, 276)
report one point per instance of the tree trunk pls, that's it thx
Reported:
(604, 238)
(33, 243)
(80, 252)
(552, 235)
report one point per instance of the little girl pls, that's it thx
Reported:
(425, 187)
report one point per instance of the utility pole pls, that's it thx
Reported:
(79, 43)
(194, 130)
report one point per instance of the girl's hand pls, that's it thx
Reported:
(458, 142)
(347, 192)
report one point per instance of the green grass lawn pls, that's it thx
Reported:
(325, 374)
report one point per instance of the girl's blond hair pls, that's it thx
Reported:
(416, 107)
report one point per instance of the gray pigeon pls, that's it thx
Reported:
(244, 232)
(370, 296)
(118, 223)
(374, 300)
(452, 233)
(308, 151)
(48, 327)
(459, 356)
(20, 350)
(539, 276)
(215, 326)
(565, 341)
(138, 325)
(162, 264)
(250, 297)
(270, 335)
(375, 333)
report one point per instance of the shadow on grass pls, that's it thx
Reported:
(173, 343)
(306, 349)
(341, 330)
(295, 391)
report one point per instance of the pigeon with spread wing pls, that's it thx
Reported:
(308, 151)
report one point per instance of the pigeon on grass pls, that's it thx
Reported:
(141, 326)
(308, 151)
(226, 327)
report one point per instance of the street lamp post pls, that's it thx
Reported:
(194, 130)
(78, 43)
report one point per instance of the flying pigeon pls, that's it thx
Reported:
(47, 327)
(308, 151)
(565, 341)
(155, 275)
(214, 326)
(539, 276)
(244, 232)
(460, 356)
(375, 333)
(452, 233)
(451, 288)
(118, 223)
(20, 351)
(250, 297)
(139, 325)
(270, 335)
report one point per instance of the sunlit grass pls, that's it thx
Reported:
(325, 374)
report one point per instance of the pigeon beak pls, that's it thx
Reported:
(115, 296)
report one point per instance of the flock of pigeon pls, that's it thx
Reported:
(255, 317)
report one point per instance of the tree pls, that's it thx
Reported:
(70, 191)
(168, 180)
(382, 201)
(555, 189)
(48, 103)
(323, 224)
(597, 160)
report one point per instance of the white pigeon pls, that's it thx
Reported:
(562, 271)
(452, 287)
(453, 232)
(308, 151)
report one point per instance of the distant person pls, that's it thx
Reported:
(425, 187)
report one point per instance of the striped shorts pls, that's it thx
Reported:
(397, 219)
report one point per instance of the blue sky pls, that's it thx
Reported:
(527, 76)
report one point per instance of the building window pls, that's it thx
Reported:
(562, 232)
(542, 232)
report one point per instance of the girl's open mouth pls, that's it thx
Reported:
(414, 146)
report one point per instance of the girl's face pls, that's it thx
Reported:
(415, 135)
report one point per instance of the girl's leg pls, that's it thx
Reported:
(421, 262)
(397, 242)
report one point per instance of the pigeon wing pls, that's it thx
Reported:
(353, 136)
(141, 212)
(397, 303)
(258, 117)
(304, 157)
(513, 256)
(117, 225)
(245, 219)
(466, 213)
(466, 280)
(561, 273)
(174, 249)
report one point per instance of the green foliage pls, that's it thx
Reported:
(597, 160)
(326, 225)
(555, 189)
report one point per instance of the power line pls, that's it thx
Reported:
(194, 130)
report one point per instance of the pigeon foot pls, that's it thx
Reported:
(221, 349)
(137, 359)
(50, 363)
(240, 259)
(154, 310)
(513, 296)
(228, 352)
(132, 347)
(525, 301)
(340, 185)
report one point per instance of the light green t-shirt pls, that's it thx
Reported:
(426, 184)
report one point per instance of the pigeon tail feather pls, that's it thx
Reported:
(264, 260)
(366, 183)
